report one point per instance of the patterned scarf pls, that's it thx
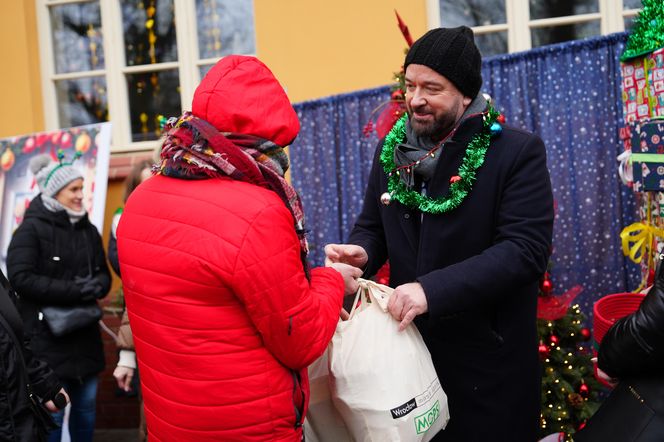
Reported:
(194, 149)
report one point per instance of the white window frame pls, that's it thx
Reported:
(518, 23)
(116, 68)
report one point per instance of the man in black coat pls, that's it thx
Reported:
(462, 207)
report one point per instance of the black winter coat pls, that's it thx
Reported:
(633, 351)
(17, 422)
(45, 254)
(479, 266)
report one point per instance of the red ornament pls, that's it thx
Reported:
(501, 119)
(543, 351)
(585, 333)
(397, 95)
(29, 145)
(581, 425)
(7, 159)
(584, 390)
(547, 286)
(454, 179)
(554, 339)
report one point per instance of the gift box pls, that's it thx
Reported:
(643, 86)
(648, 155)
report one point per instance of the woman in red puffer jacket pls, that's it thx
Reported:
(224, 312)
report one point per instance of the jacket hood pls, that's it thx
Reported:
(241, 95)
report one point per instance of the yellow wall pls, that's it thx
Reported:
(20, 88)
(318, 47)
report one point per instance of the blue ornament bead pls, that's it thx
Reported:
(653, 22)
(496, 129)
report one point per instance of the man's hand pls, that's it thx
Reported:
(350, 275)
(50, 405)
(123, 376)
(346, 254)
(406, 302)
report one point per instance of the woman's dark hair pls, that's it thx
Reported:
(134, 178)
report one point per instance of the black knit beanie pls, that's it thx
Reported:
(452, 53)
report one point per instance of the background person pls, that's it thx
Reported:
(56, 258)
(126, 368)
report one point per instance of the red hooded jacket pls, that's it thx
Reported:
(224, 319)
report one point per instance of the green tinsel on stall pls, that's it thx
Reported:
(648, 32)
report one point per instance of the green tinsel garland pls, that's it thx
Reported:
(648, 32)
(472, 160)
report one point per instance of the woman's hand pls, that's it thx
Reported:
(123, 376)
(50, 405)
(350, 275)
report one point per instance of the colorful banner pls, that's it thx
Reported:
(18, 186)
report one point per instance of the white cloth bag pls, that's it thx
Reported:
(323, 422)
(384, 383)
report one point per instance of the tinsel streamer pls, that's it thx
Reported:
(472, 160)
(648, 32)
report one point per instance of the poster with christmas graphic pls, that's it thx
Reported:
(18, 186)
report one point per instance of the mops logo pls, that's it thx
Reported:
(424, 421)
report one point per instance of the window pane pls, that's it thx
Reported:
(149, 31)
(492, 44)
(561, 8)
(632, 4)
(225, 27)
(471, 12)
(557, 34)
(81, 101)
(204, 69)
(77, 37)
(629, 23)
(151, 95)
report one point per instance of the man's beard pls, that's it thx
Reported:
(435, 129)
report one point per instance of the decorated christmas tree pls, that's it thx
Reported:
(648, 32)
(569, 388)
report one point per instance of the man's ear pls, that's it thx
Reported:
(467, 101)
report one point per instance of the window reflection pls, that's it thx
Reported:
(491, 44)
(151, 96)
(632, 4)
(471, 12)
(561, 8)
(225, 27)
(558, 34)
(203, 70)
(149, 31)
(81, 101)
(77, 37)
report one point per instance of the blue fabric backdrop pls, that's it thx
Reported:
(569, 94)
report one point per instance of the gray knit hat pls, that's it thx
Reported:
(452, 53)
(51, 176)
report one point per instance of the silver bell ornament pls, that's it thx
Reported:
(386, 198)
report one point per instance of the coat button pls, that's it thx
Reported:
(406, 215)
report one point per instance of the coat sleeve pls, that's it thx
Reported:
(43, 379)
(101, 268)
(295, 317)
(23, 257)
(521, 246)
(635, 344)
(368, 231)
